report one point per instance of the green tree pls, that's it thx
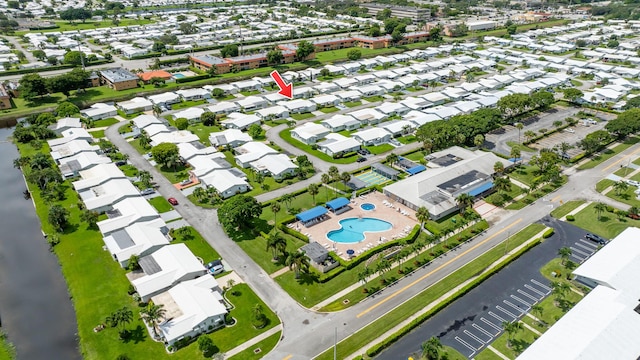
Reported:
(625, 124)
(182, 123)
(206, 346)
(58, 217)
(72, 14)
(397, 36)
(39, 54)
(435, 34)
(374, 30)
(275, 208)
(298, 262)
(354, 54)
(277, 244)
(511, 328)
(313, 190)
(600, 207)
(502, 184)
(208, 118)
(258, 318)
(512, 29)
(165, 153)
(74, 58)
(304, 50)
(423, 216)
(145, 179)
(144, 139)
(392, 159)
(572, 94)
(564, 253)
(238, 212)
(326, 179)
(255, 131)
(345, 177)
(464, 201)
(31, 86)
(90, 217)
(620, 187)
(431, 348)
(275, 57)
(498, 167)
(363, 276)
(151, 314)
(66, 108)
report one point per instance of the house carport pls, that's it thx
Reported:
(338, 205)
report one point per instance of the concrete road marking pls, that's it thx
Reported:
(287, 357)
(535, 290)
(618, 161)
(506, 312)
(522, 292)
(482, 330)
(556, 198)
(515, 306)
(408, 286)
(521, 301)
(580, 260)
(494, 326)
(496, 316)
(590, 250)
(588, 244)
(466, 344)
(579, 251)
(541, 284)
(475, 338)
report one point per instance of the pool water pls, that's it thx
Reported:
(353, 229)
(178, 76)
(367, 206)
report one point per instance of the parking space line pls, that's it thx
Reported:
(496, 316)
(466, 344)
(494, 326)
(482, 330)
(581, 252)
(541, 284)
(528, 295)
(580, 260)
(587, 244)
(520, 310)
(586, 248)
(535, 290)
(475, 338)
(522, 301)
(506, 311)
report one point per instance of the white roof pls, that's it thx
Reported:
(419, 118)
(175, 263)
(70, 135)
(250, 101)
(298, 104)
(155, 129)
(241, 120)
(605, 323)
(275, 164)
(174, 137)
(136, 239)
(340, 120)
(189, 113)
(72, 148)
(398, 126)
(163, 97)
(108, 193)
(198, 300)
(367, 114)
(253, 151)
(68, 122)
(336, 143)
(223, 180)
(310, 129)
(223, 107)
(205, 164)
(272, 110)
(97, 175)
(435, 96)
(389, 107)
(98, 109)
(127, 212)
(145, 120)
(371, 134)
(192, 92)
(188, 150)
(135, 103)
(228, 136)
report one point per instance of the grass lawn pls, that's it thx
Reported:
(624, 171)
(136, 145)
(341, 54)
(203, 131)
(256, 248)
(373, 98)
(409, 307)
(487, 354)
(129, 170)
(407, 139)
(524, 173)
(301, 116)
(187, 104)
(608, 153)
(415, 156)
(379, 149)
(607, 226)
(198, 245)
(628, 196)
(519, 343)
(576, 83)
(522, 148)
(265, 346)
(566, 208)
(603, 184)
(500, 198)
(104, 122)
(327, 110)
(535, 195)
(351, 104)
(174, 175)
(637, 161)
(6, 349)
(97, 134)
(161, 204)
(250, 92)
(286, 136)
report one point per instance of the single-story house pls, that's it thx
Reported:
(251, 103)
(139, 239)
(327, 100)
(341, 122)
(97, 175)
(273, 113)
(72, 165)
(399, 127)
(127, 212)
(372, 136)
(194, 94)
(299, 106)
(174, 137)
(155, 129)
(66, 124)
(143, 121)
(71, 135)
(137, 104)
(188, 151)
(309, 133)
(390, 109)
(278, 166)
(225, 182)
(223, 107)
(371, 90)
(252, 151)
(336, 145)
(229, 137)
(368, 116)
(206, 164)
(72, 148)
(192, 114)
(168, 266)
(349, 95)
(164, 99)
(240, 121)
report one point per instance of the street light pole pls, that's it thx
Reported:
(507, 242)
(335, 344)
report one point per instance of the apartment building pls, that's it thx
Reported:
(5, 98)
(119, 79)
(206, 62)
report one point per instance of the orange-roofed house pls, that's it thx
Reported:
(147, 76)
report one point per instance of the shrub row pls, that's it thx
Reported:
(50, 68)
(294, 233)
(376, 349)
(548, 233)
(192, 78)
(570, 218)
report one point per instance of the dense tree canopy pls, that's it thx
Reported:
(165, 153)
(305, 48)
(238, 212)
(625, 124)
(230, 50)
(75, 14)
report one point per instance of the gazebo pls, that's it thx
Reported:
(311, 216)
(338, 205)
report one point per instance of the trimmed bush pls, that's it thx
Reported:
(548, 233)
(570, 218)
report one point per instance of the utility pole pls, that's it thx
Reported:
(507, 242)
(81, 56)
(335, 344)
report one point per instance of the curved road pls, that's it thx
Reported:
(301, 324)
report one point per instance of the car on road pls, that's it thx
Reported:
(186, 182)
(596, 238)
(361, 159)
(215, 267)
(172, 201)
(147, 191)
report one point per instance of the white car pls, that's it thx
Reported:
(632, 182)
(570, 130)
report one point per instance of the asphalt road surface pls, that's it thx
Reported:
(474, 321)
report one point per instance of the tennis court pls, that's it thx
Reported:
(372, 178)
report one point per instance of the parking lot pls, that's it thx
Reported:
(571, 136)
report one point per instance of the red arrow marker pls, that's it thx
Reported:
(285, 89)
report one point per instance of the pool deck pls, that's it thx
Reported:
(399, 222)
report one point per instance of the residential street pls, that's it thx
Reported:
(302, 324)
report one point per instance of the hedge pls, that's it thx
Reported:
(376, 349)
(193, 78)
(51, 68)
(548, 233)
(570, 218)
(294, 233)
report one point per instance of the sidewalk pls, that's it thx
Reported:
(576, 210)
(247, 344)
(435, 303)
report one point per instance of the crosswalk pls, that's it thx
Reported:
(474, 338)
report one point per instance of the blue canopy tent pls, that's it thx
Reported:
(480, 189)
(416, 169)
(311, 214)
(337, 204)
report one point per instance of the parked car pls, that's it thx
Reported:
(147, 191)
(121, 162)
(361, 159)
(632, 182)
(172, 201)
(215, 267)
(596, 238)
(186, 182)
(569, 130)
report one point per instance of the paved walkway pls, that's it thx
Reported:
(530, 328)
(247, 344)
(495, 351)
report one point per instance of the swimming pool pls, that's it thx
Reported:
(353, 229)
(367, 206)
(178, 76)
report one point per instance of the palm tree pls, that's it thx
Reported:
(363, 276)
(478, 140)
(620, 186)
(423, 216)
(277, 244)
(145, 178)
(382, 267)
(156, 110)
(559, 289)
(326, 179)
(599, 208)
(537, 310)
(144, 140)
(431, 348)
(511, 328)
(519, 126)
(345, 177)
(275, 207)
(287, 199)
(297, 261)
(313, 190)
(515, 154)
(392, 159)
(529, 135)
(151, 314)
(121, 318)
(199, 193)
(502, 184)
(564, 253)
(464, 201)
(498, 167)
